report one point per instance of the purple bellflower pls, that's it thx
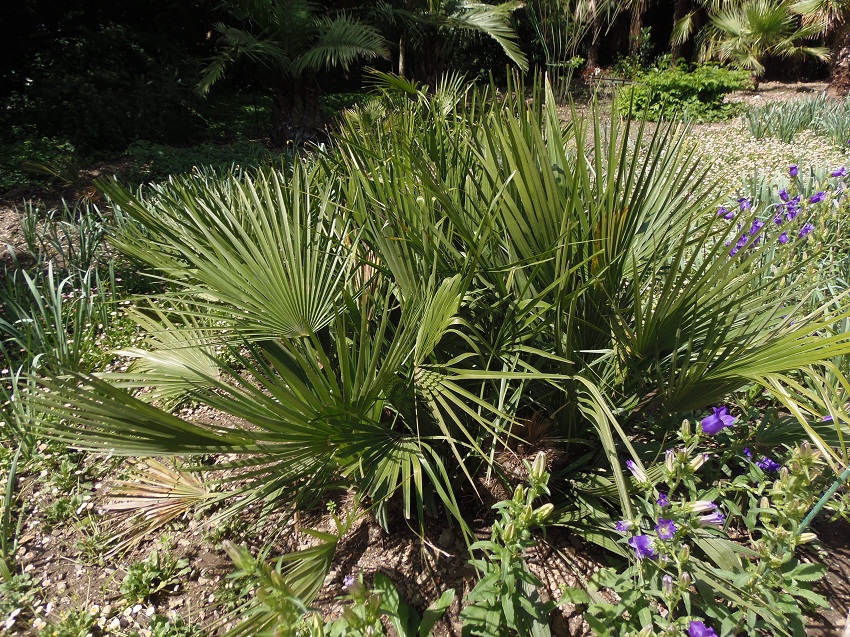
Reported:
(663, 501)
(819, 196)
(768, 464)
(699, 629)
(643, 547)
(718, 419)
(793, 170)
(806, 229)
(665, 529)
(839, 172)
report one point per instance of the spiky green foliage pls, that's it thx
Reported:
(397, 307)
(747, 33)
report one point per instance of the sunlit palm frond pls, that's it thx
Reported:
(493, 21)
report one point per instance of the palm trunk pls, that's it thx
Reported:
(595, 32)
(402, 63)
(680, 9)
(635, 28)
(839, 80)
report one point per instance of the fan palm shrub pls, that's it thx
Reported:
(396, 309)
(746, 33)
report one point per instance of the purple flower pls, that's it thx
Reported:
(747, 452)
(642, 545)
(778, 219)
(715, 422)
(758, 224)
(768, 464)
(783, 238)
(744, 203)
(839, 172)
(712, 519)
(826, 418)
(623, 525)
(817, 197)
(726, 214)
(665, 529)
(806, 229)
(699, 629)
(348, 581)
(662, 500)
(784, 196)
(667, 584)
(637, 472)
(793, 170)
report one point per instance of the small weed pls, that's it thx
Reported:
(164, 627)
(20, 593)
(75, 623)
(145, 580)
(94, 541)
(63, 509)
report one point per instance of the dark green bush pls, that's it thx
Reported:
(679, 93)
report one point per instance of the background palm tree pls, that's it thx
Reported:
(424, 30)
(832, 19)
(287, 43)
(747, 33)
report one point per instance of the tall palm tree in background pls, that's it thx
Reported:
(832, 19)
(288, 43)
(423, 30)
(745, 34)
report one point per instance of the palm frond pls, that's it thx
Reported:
(341, 41)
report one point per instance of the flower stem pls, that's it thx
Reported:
(824, 499)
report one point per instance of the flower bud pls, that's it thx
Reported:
(686, 579)
(637, 472)
(542, 514)
(686, 429)
(685, 554)
(701, 506)
(519, 494)
(764, 503)
(525, 516)
(784, 476)
(539, 466)
(805, 538)
(646, 632)
(667, 585)
(509, 534)
(698, 460)
(670, 460)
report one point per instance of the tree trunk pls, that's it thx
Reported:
(593, 49)
(402, 65)
(680, 9)
(635, 28)
(839, 80)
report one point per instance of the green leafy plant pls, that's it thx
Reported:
(505, 600)
(19, 595)
(682, 570)
(74, 623)
(145, 580)
(170, 627)
(679, 93)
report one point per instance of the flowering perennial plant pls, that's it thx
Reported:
(686, 575)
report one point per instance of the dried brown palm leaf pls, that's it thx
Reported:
(155, 495)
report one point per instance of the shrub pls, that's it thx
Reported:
(678, 93)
